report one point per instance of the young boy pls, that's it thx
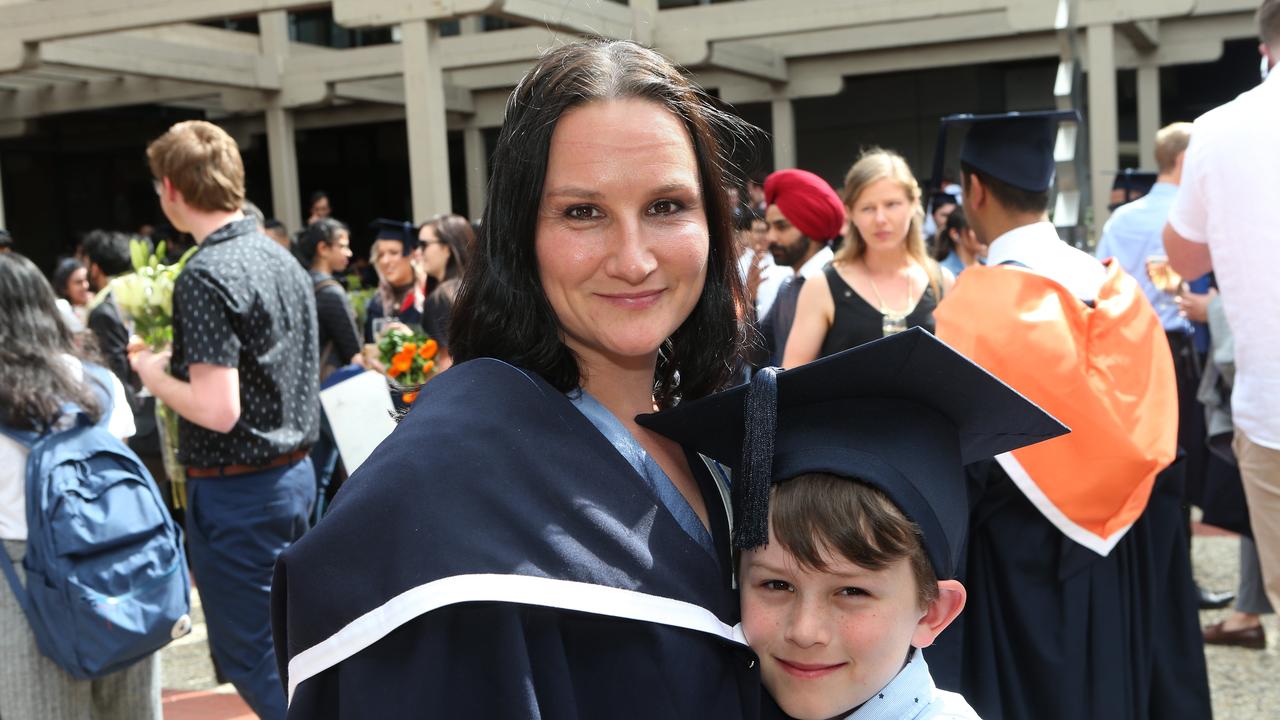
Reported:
(850, 505)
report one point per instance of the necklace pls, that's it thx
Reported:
(884, 306)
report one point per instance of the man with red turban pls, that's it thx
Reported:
(804, 216)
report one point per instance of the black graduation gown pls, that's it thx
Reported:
(495, 472)
(1053, 630)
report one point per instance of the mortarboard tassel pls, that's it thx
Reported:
(751, 489)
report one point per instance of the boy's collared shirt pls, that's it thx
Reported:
(911, 695)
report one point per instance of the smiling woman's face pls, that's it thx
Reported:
(621, 240)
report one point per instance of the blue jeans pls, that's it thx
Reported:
(236, 528)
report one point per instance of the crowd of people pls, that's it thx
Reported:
(697, 445)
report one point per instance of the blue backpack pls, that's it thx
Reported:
(107, 580)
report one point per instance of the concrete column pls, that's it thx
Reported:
(1104, 153)
(644, 15)
(1148, 114)
(784, 134)
(282, 151)
(282, 154)
(477, 159)
(425, 119)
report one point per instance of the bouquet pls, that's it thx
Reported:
(146, 296)
(409, 358)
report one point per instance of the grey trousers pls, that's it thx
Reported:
(1251, 595)
(32, 687)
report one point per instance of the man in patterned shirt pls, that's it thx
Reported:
(242, 376)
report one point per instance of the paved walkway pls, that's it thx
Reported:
(1243, 682)
(190, 690)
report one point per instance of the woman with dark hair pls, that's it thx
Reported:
(520, 546)
(71, 283)
(446, 244)
(325, 250)
(41, 369)
(958, 244)
(437, 313)
(318, 208)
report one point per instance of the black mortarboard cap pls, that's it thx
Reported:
(903, 414)
(1134, 184)
(1015, 148)
(400, 230)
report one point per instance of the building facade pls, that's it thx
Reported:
(391, 105)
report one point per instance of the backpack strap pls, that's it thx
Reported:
(325, 283)
(26, 438)
(19, 592)
(103, 379)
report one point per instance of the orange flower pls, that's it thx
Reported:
(427, 368)
(403, 360)
(409, 397)
(428, 350)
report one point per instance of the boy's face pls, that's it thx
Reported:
(828, 641)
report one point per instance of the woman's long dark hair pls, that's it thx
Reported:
(62, 273)
(456, 232)
(502, 310)
(947, 234)
(324, 230)
(34, 380)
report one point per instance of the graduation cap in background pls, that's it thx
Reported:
(405, 232)
(903, 414)
(1133, 183)
(1016, 148)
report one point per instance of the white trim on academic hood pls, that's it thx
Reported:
(1088, 538)
(376, 624)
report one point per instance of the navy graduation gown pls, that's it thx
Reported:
(1053, 631)
(441, 582)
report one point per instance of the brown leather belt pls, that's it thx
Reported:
(228, 470)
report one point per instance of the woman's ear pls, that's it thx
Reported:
(940, 614)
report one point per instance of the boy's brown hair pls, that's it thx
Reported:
(203, 162)
(816, 514)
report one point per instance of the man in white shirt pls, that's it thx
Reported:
(1224, 220)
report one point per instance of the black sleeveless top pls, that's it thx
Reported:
(856, 321)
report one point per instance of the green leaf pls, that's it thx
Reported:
(138, 254)
(182, 261)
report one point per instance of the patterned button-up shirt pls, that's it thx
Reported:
(244, 302)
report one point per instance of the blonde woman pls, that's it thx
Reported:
(882, 280)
